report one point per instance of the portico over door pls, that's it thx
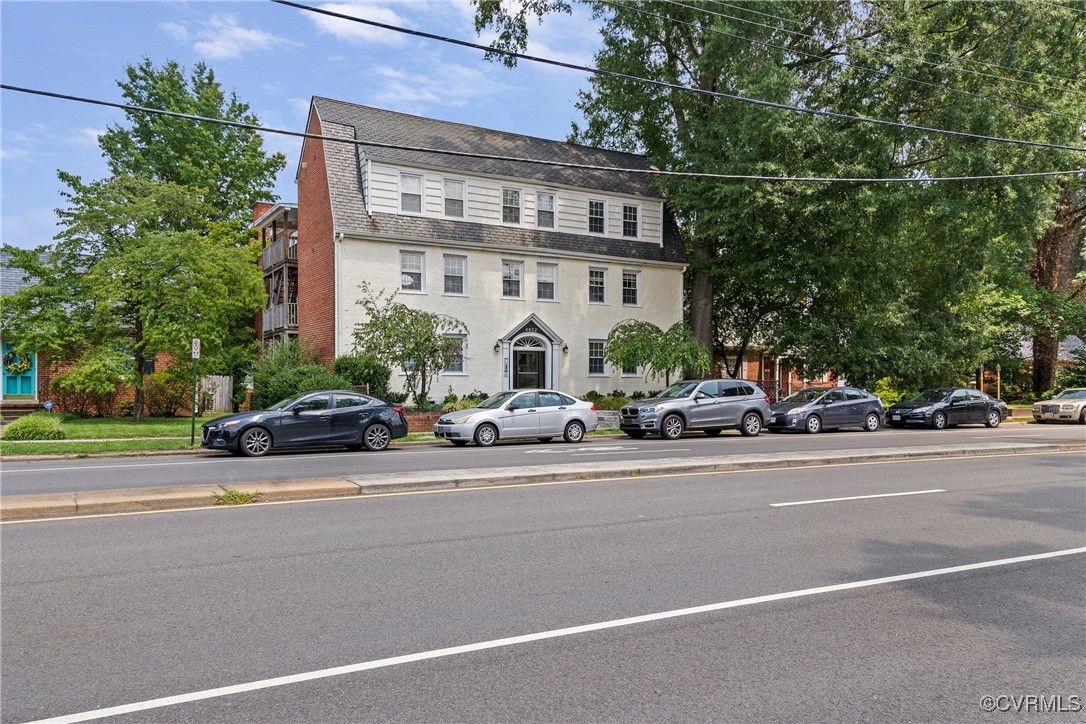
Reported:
(530, 356)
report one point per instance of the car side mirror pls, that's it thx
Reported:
(296, 410)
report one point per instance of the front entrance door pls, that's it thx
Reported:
(527, 369)
(19, 379)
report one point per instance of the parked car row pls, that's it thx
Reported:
(1068, 406)
(357, 421)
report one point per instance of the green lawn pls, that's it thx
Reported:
(77, 428)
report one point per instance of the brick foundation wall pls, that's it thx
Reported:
(316, 249)
(421, 421)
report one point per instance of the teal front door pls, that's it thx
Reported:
(18, 375)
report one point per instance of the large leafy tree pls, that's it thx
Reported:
(634, 343)
(139, 269)
(873, 280)
(229, 164)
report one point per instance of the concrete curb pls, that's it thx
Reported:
(46, 505)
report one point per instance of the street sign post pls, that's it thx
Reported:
(195, 357)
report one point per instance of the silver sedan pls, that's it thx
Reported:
(542, 414)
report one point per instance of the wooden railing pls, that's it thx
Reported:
(281, 249)
(281, 316)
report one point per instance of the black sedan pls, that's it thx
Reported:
(313, 419)
(817, 408)
(944, 407)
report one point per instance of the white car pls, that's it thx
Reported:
(542, 414)
(1068, 406)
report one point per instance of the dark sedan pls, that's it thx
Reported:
(945, 407)
(314, 419)
(815, 409)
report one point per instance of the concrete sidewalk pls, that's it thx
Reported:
(13, 507)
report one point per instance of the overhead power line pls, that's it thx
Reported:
(677, 87)
(542, 162)
(838, 61)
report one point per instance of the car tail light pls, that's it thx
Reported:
(593, 408)
(398, 409)
(766, 398)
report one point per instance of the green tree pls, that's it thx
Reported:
(634, 343)
(122, 276)
(417, 342)
(229, 164)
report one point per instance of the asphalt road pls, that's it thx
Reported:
(113, 611)
(56, 476)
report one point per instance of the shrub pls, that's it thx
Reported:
(638, 395)
(36, 426)
(365, 372)
(463, 403)
(592, 396)
(1073, 375)
(395, 398)
(296, 380)
(167, 391)
(611, 402)
(652, 393)
(450, 398)
(890, 394)
(91, 386)
(278, 358)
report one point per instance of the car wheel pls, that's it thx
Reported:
(545, 439)
(255, 442)
(713, 431)
(574, 432)
(377, 437)
(672, 427)
(871, 424)
(635, 434)
(1082, 417)
(938, 420)
(813, 424)
(459, 443)
(993, 419)
(752, 424)
(486, 435)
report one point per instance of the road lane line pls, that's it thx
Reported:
(855, 497)
(532, 637)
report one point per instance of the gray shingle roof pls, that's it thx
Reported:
(12, 279)
(347, 120)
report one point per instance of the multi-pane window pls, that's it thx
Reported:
(411, 271)
(510, 206)
(454, 353)
(546, 280)
(454, 198)
(512, 272)
(595, 356)
(629, 288)
(544, 214)
(455, 268)
(629, 220)
(596, 213)
(630, 370)
(411, 193)
(597, 285)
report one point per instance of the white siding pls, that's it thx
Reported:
(385, 191)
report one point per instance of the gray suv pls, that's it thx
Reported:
(708, 405)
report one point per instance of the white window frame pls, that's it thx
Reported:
(637, 371)
(463, 276)
(463, 371)
(519, 264)
(421, 271)
(421, 194)
(636, 273)
(520, 205)
(554, 280)
(602, 270)
(445, 198)
(637, 221)
(602, 358)
(554, 209)
(588, 209)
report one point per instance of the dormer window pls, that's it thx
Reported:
(596, 217)
(411, 193)
(544, 213)
(510, 206)
(454, 199)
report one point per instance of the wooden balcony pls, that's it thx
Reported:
(280, 250)
(281, 316)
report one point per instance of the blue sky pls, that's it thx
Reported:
(275, 58)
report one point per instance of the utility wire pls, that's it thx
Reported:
(542, 162)
(851, 41)
(675, 86)
(838, 61)
(873, 50)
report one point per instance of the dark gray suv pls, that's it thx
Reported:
(707, 405)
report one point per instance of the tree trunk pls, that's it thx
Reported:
(701, 295)
(1046, 350)
(137, 401)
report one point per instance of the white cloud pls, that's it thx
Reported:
(222, 38)
(9, 154)
(85, 136)
(299, 105)
(353, 32)
(30, 227)
(444, 85)
(177, 31)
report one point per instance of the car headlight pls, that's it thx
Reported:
(1070, 406)
(462, 420)
(922, 409)
(648, 410)
(232, 423)
(796, 410)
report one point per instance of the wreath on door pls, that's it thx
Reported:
(16, 365)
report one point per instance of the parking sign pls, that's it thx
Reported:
(196, 348)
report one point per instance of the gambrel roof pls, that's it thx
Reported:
(363, 123)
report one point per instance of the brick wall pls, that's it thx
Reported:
(421, 421)
(316, 249)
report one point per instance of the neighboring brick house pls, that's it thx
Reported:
(539, 262)
(18, 377)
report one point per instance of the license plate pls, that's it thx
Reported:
(1049, 414)
(895, 417)
(773, 419)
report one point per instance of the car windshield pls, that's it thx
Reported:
(496, 400)
(932, 396)
(804, 396)
(679, 389)
(1071, 395)
(282, 404)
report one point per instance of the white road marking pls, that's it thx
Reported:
(619, 452)
(855, 497)
(529, 638)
